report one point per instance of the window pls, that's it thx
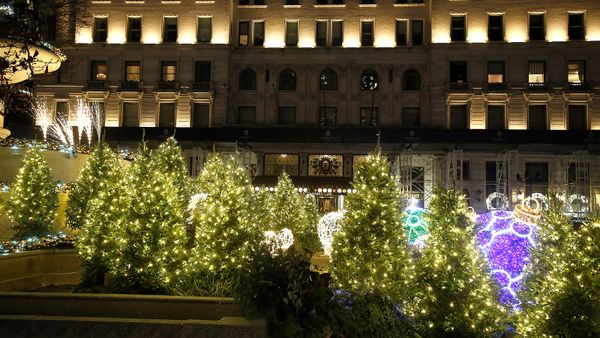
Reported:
(276, 164)
(291, 2)
(495, 117)
(411, 118)
(62, 110)
(166, 116)
(327, 116)
(321, 38)
(537, 72)
(337, 33)
(369, 116)
(201, 117)
(536, 177)
(168, 71)
(411, 80)
(366, 33)
(459, 117)
(330, 2)
(134, 29)
(401, 32)
(131, 114)
(537, 28)
(458, 71)
(537, 119)
(495, 72)
(243, 33)
(576, 26)
(287, 115)
(98, 71)
(325, 165)
(133, 71)
(417, 32)
(576, 72)
(202, 70)
(247, 79)
(291, 33)
(100, 28)
(50, 27)
(204, 33)
(259, 33)
(251, 2)
(369, 80)
(246, 114)
(170, 29)
(577, 117)
(458, 28)
(495, 27)
(287, 80)
(328, 80)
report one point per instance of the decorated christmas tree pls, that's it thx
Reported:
(33, 199)
(561, 286)
(370, 253)
(153, 236)
(309, 235)
(97, 206)
(454, 293)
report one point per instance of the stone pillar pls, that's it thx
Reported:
(477, 118)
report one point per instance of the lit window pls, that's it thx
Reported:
(537, 72)
(100, 28)
(276, 164)
(134, 29)
(495, 72)
(98, 71)
(170, 29)
(243, 33)
(204, 29)
(325, 165)
(133, 71)
(458, 28)
(495, 27)
(168, 71)
(366, 33)
(291, 33)
(576, 72)
(576, 26)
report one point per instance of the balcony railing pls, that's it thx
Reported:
(536, 86)
(460, 86)
(497, 87)
(168, 86)
(577, 86)
(96, 86)
(202, 86)
(131, 86)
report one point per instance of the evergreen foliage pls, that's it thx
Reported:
(32, 200)
(454, 293)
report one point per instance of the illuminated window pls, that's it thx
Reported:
(537, 27)
(576, 72)
(495, 27)
(576, 26)
(369, 80)
(166, 116)
(170, 29)
(458, 27)
(459, 117)
(326, 165)
(411, 117)
(133, 71)
(577, 117)
(247, 79)
(246, 114)
(496, 119)
(495, 72)
(327, 116)
(99, 71)
(366, 33)
(276, 164)
(168, 71)
(100, 28)
(537, 119)
(131, 114)
(243, 33)
(202, 71)
(287, 115)
(201, 117)
(401, 32)
(458, 72)
(328, 80)
(537, 72)
(416, 27)
(411, 80)
(287, 80)
(258, 33)
(134, 29)
(204, 33)
(369, 116)
(291, 33)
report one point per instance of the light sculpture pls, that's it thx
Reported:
(281, 240)
(496, 201)
(417, 229)
(328, 226)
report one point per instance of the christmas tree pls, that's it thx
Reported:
(370, 252)
(97, 206)
(454, 293)
(32, 200)
(561, 287)
(308, 235)
(153, 236)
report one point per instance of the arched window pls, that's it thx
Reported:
(248, 79)
(287, 80)
(328, 80)
(411, 80)
(369, 80)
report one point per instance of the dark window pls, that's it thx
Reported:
(99, 71)
(411, 80)
(133, 71)
(243, 33)
(401, 32)
(291, 33)
(131, 114)
(369, 116)
(247, 114)
(495, 118)
(291, 2)
(327, 116)
(287, 80)
(166, 116)
(62, 110)
(459, 117)
(170, 29)
(537, 27)
(328, 80)
(204, 33)
(411, 118)
(369, 80)
(168, 71)
(576, 26)
(259, 33)
(337, 33)
(202, 71)
(495, 72)
(466, 170)
(51, 27)
(287, 115)
(536, 177)
(409, 1)
(495, 27)
(458, 28)
(458, 71)
(366, 33)
(100, 29)
(490, 177)
(537, 119)
(417, 32)
(201, 116)
(321, 38)
(248, 79)
(134, 29)
(577, 117)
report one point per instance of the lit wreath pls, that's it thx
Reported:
(492, 201)
(577, 205)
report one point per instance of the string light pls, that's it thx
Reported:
(416, 226)
(281, 240)
(329, 225)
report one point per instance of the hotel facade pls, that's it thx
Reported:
(499, 99)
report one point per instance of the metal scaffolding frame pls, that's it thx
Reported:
(412, 180)
(573, 180)
(454, 169)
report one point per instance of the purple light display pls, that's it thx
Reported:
(505, 241)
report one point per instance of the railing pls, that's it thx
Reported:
(460, 86)
(577, 86)
(168, 86)
(496, 87)
(536, 86)
(131, 86)
(96, 85)
(201, 86)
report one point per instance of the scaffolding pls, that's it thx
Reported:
(574, 183)
(454, 169)
(415, 175)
